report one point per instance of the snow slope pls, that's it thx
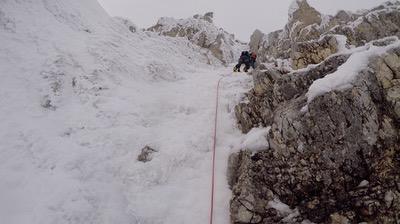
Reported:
(80, 95)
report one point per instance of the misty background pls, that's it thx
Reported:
(238, 17)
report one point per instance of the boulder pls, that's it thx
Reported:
(146, 154)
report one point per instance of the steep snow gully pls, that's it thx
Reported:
(81, 94)
(175, 186)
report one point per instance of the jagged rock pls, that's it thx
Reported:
(244, 208)
(201, 31)
(146, 154)
(335, 158)
(271, 46)
(313, 52)
(209, 16)
(306, 27)
(302, 26)
(301, 15)
(319, 157)
(376, 24)
(341, 18)
(271, 88)
(255, 40)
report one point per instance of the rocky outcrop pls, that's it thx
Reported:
(302, 17)
(313, 52)
(305, 25)
(321, 159)
(201, 31)
(272, 88)
(333, 157)
(256, 39)
(378, 23)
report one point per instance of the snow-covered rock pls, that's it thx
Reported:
(301, 15)
(129, 24)
(334, 140)
(306, 25)
(201, 31)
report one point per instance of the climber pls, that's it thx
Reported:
(244, 59)
(253, 58)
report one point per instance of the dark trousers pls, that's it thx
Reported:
(253, 64)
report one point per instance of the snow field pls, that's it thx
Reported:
(81, 95)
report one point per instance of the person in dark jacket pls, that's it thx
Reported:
(244, 59)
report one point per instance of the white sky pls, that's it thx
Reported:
(238, 17)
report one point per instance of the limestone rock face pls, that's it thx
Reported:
(255, 40)
(319, 157)
(305, 25)
(380, 22)
(301, 15)
(313, 52)
(333, 158)
(201, 31)
(272, 88)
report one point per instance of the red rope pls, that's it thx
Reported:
(213, 157)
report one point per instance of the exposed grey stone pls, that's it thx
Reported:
(304, 16)
(146, 154)
(313, 52)
(319, 157)
(306, 25)
(256, 40)
(271, 88)
(209, 16)
(320, 151)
